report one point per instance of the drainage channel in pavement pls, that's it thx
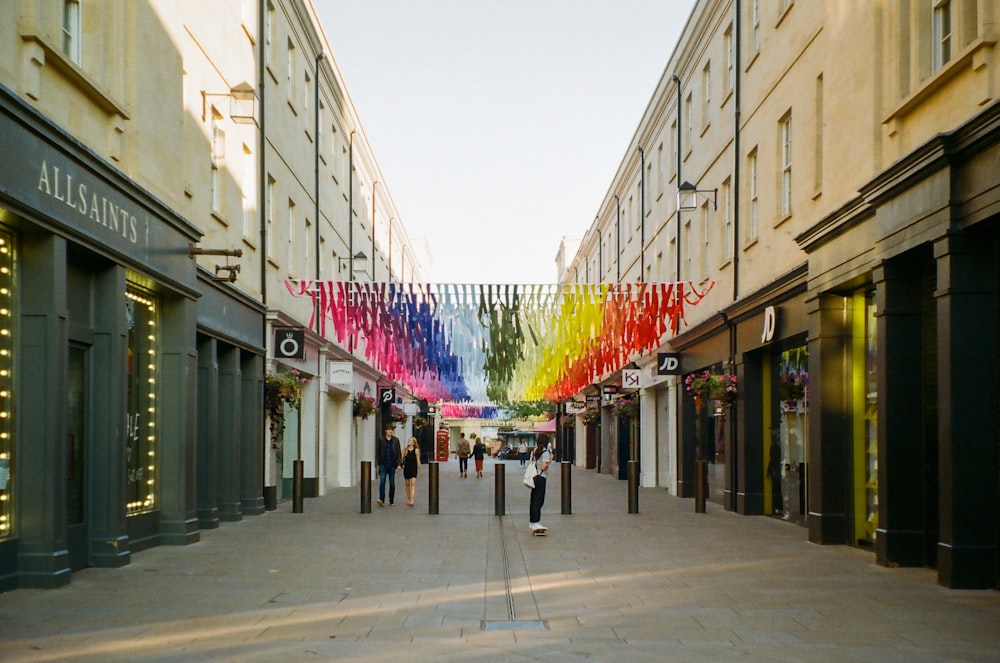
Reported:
(499, 588)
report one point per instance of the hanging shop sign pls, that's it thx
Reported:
(575, 407)
(386, 395)
(289, 343)
(770, 324)
(630, 378)
(668, 363)
(339, 373)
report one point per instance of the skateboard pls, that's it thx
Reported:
(541, 531)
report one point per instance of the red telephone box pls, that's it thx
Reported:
(441, 444)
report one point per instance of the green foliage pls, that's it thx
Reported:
(529, 409)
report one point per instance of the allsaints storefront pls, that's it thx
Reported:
(98, 318)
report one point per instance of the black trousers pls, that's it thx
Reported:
(537, 500)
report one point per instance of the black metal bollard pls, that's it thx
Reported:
(700, 485)
(366, 486)
(566, 486)
(298, 470)
(433, 471)
(500, 490)
(633, 486)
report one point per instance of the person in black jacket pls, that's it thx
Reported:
(389, 458)
(478, 452)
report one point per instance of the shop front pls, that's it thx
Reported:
(97, 360)
(773, 436)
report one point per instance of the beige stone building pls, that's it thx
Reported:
(843, 214)
(176, 178)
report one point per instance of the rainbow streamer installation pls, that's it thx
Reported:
(498, 343)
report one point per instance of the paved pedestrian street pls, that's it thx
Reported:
(399, 584)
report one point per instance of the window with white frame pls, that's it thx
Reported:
(755, 26)
(689, 121)
(269, 215)
(688, 251)
(71, 30)
(269, 34)
(727, 220)
(729, 74)
(941, 22)
(290, 78)
(704, 241)
(307, 233)
(306, 87)
(785, 130)
(638, 205)
(818, 147)
(706, 96)
(673, 150)
(218, 159)
(291, 234)
(247, 188)
(659, 170)
(752, 196)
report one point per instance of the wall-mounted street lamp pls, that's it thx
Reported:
(242, 103)
(687, 197)
(353, 261)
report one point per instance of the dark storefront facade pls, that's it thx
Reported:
(903, 343)
(106, 327)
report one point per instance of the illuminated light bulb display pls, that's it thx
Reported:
(7, 302)
(142, 311)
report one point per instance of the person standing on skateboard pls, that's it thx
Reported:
(542, 457)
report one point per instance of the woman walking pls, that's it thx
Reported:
(411, 467)
(541, 457)
(478, 453)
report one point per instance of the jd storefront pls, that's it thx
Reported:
(97, 360)
(772, 435)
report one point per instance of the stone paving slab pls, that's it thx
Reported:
(400, 584)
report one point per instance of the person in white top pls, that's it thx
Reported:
(542, 457)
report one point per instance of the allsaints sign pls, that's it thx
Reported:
(116, 218)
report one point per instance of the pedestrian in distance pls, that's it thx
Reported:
(463, 456)
(411, 468)
(389, 458)
(479, 452)
(522, 451)
(542, 457)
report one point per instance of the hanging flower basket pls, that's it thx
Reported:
(591, 417)
(711, 386)
(362, 406)
(281, 389)
(792, 386)
(396, 414)
(626, 407)
(419, 422)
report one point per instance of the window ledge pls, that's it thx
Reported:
(938, 80)
(782, 219)
(78, 77)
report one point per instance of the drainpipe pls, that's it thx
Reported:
(735, 208)
(736, 150)
(261, 149)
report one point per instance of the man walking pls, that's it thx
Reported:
(388, 457)
(463, 456)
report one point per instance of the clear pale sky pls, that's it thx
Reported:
(498, 125)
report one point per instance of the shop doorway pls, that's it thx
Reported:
(77, 488)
